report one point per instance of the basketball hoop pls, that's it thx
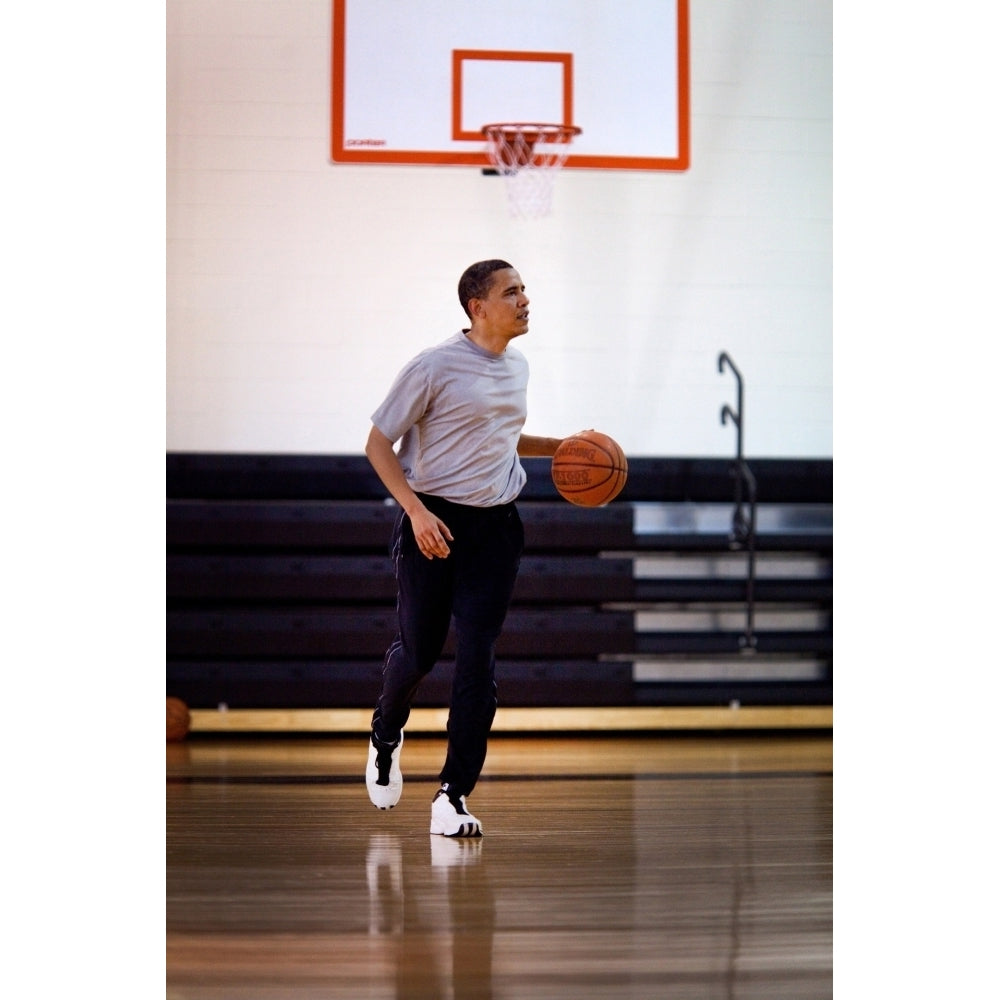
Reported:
(527, 156)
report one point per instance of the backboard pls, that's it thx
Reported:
(414, 81)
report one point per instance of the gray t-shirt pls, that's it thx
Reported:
(459, 410)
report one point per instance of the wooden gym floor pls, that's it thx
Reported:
(666, 865)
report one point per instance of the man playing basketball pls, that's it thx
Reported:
(457, 410)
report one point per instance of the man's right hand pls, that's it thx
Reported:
(431, 533)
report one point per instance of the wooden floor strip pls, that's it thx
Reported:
(515, 720)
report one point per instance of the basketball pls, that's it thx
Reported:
(589, 469)
(178, 720)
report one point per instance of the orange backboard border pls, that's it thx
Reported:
(369, 150)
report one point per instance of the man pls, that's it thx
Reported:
(457, 410)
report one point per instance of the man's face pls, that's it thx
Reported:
(505, 308)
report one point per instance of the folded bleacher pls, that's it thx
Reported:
(280, 591)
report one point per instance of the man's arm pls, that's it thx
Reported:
(430, 531)
(530, 446)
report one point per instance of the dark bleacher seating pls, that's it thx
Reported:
(280, 591)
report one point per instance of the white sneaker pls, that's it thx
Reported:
(452, 819)
(383, 776)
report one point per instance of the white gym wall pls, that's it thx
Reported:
(296, 287)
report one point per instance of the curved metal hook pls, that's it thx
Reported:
(727, 411)
(725, 359)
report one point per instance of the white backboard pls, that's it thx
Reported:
(414, 81)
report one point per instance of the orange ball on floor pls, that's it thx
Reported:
(178, 720)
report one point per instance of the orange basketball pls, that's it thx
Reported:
(178, 720)
(589, 469)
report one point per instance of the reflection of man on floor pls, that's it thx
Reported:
(438, 920)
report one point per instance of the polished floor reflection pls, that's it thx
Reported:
(662, 866)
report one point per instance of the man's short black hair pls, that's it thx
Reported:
(477, 280)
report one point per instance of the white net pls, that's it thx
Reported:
(528, 157)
